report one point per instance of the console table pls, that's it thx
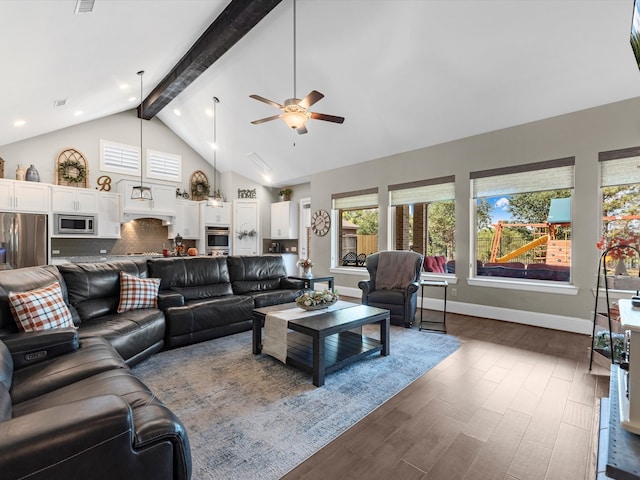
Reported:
(311, 281)
(442, 325)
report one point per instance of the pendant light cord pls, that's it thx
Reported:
(141, 73)
(294, 49)
(215, 145)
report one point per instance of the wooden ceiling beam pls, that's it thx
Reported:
(235, 21)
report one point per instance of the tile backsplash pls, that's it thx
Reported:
(137, 236)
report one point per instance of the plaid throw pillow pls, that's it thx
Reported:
(137, 292)
(40, 309)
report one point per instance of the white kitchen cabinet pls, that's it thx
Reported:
(73, 200)
(284, 220)
(163, 203)
(187, 222)
(20, 196)
(246, 227)
(218, 216)
(108, 215)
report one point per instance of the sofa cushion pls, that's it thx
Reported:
(137, 293)
(40, 309)
(94, 288)
(274, 297)
(204, 291)
(183, 272)
(254, 274)
(21, 280)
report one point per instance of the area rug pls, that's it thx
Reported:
(252, 417)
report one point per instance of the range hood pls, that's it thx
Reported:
(166, 219)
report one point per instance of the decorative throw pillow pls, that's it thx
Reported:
(40, 309)
(137, 292)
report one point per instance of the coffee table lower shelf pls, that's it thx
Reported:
(340, 350)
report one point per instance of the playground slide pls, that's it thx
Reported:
(525, 248)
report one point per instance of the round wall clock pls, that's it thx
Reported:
(320, 222)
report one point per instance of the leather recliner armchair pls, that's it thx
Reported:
(393, 284)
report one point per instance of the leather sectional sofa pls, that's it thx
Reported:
(69, 405)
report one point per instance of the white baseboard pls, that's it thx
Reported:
(536, 319)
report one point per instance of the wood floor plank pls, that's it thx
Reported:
(513, 402)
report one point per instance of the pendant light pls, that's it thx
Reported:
(215, 200)
(140, 192)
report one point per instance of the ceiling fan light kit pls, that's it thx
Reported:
(295, 111)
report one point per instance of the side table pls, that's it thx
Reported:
(309, 282)
(443, 324)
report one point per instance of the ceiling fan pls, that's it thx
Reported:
(295, 111)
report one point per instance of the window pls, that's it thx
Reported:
(620, 189)
(523, 221)
(357, 214)
(119, 158)
(164, 166)
(424, 221)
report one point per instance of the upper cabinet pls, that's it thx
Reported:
(73, 200)
(284, 220)
(20, 196)
(163, 203)
(108, 215)
(217, 216)
(187, 221)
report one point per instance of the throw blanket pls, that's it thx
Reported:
(275, 328)
(396, 269)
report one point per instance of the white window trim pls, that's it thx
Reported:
(540, 286)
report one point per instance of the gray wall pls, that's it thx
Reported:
(124, 127)
(580, 134)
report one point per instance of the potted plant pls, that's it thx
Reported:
(285, 194)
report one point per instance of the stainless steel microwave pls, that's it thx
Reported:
(74, 224)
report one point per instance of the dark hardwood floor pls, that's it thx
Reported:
(513, 402)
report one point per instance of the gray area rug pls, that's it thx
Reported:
(252, 417)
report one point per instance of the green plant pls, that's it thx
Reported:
(285, 192)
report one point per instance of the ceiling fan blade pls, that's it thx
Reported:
(327, 118)
(267, 119)
(266, 100)
(301, 129)
(310, 99)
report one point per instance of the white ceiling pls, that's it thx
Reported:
(404, 73)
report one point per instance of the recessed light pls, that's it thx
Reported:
(124, 86)
(214, 146)
(77, 113)
(209, 112)
(19, 123)
(177, 112)
(132, 99)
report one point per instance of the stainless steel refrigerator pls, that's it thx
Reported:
(23, 240)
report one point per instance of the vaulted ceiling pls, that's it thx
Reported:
(404, 73)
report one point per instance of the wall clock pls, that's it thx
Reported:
(320, 222)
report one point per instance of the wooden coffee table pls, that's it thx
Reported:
(323, 343)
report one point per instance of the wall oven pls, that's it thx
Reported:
(218, 240)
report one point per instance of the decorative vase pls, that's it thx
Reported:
(20, 172)
(308, 273)
(32, 174)
(621, 268)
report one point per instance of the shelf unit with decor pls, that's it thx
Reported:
(607, 338)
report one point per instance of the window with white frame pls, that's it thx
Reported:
(424, 220)
(119, 158)
(523, 220)
(164, 166)
(357, 232)
(620, 190)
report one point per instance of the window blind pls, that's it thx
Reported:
(163, 165)
(353, 200)
(619, 171)
(423, 191)
(119, 158)
(533, 177)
